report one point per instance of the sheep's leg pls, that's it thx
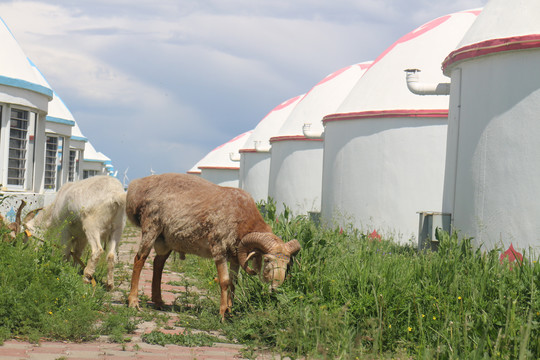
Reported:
(224, 283)
(234, 276)
(111, 255)
(149, 235)
(159, 264)
(93, 236)
(78, 246)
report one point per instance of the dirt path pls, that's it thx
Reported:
(102, 348)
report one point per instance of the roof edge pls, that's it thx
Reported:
(27, 85)
(380, 114)
(220, 167)
(60, 120)
(491, 46)
(292, 138)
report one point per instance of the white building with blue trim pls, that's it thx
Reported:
(41, 146)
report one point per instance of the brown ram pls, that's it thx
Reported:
(190, 215)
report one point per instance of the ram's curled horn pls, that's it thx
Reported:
(263, 242)
(293, 246)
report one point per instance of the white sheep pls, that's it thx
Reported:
(89, 211)
(191, 215)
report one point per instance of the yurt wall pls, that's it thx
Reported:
(491, 173)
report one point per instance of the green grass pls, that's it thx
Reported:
(349, 296)
(346, 296)
(44, 297)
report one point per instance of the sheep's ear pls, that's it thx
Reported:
(31, 215)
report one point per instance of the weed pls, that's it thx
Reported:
(186, 339)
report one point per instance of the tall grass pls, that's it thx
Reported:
(350, 295)
(43, 296)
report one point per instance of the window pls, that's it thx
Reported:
(73, 165)
(51, 154)
(18, 138)
(89, 173)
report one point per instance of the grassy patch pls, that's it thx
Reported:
(348, 295)
(186, 339)
(42, 296)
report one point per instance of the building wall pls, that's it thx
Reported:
(379, 172)
(296, 175)
(492, 173)
(255, 172)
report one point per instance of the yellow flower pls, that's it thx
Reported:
(537, 313)
(434, 318)
(389, 326)
(459, 297)
(58, 279)
(423, 315)
(50, 312)
(410, 329)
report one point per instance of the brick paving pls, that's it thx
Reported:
(135, 348)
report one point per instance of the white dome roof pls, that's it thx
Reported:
(57, 111)
(219, 158)
(383, 87)
(270, 124)
(323, 99)
(15, 69)
(502, 26)
(76, 133)
(90, 154)
(502, 19)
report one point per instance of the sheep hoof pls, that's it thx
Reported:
(158, 304)
(134, 305)
(109, 287)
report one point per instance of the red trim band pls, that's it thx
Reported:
(378, 114)
(492, 46)
(292, 138)
(241, 151)
(194, 172)
(219, 167)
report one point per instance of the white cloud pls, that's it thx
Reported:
(166, 81)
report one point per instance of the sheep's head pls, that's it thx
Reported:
(270, 256)
(28, 223)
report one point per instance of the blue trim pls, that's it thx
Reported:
(79, 138)
(27, 85)
(107, 162)
(60, 120)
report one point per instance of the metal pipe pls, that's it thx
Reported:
(420, 88)
(310, 134)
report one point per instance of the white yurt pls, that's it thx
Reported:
(297, 149)
(24, 99)
(221, 165)
(95, 162)
(255, 155)
(491, 174)
(384, 148)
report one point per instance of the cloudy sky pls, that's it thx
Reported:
(157, 84)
